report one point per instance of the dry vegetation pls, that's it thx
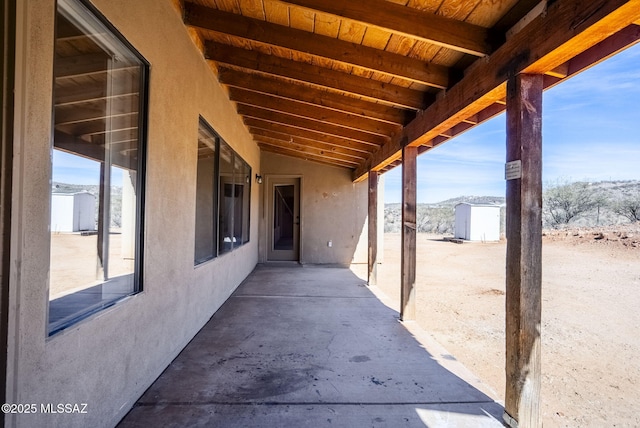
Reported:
(565, 204)
(590, 291)
(591, 284)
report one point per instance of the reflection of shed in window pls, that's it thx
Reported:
(235, 176)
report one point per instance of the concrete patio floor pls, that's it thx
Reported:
(313, 347)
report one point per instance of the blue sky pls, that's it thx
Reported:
(77, 170)
(591, 131)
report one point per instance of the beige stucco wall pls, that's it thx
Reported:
(332, 208)
(108, 360)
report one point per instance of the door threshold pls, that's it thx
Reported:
(282, 263)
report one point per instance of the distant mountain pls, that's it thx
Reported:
(436, 217)
(493, 200)
(439, 217)
(58, 187)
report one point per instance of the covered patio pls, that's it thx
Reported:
(230, 134)
(313, 346)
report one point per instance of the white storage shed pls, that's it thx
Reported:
(73, 212)
(477, 222)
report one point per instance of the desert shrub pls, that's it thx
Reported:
(628, 207)
(564, 202)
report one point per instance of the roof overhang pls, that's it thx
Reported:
(351, 83)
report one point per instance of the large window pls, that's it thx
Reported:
(206, 196)
(98, 158)
(222, 197)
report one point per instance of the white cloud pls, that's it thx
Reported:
(591, 130)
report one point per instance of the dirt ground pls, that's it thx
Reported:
(590, 318)
(74, 262)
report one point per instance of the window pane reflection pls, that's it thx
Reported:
(95, 213)
(205, 238)
(226, 231)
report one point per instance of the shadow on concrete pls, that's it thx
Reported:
(311, 347)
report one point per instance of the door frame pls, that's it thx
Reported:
(7, 82)
(268, 211)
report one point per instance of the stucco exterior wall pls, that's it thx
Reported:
(108, 360)
(332, 208)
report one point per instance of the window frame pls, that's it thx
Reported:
(219, 194)
(202, 123)
(91, 13)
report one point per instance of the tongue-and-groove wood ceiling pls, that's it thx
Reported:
(349, 82)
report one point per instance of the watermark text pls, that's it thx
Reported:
(48, 408)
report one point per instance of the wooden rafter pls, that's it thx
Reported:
(372, 59)
(313, 149)
(318, 113)
(309, 134)
(300, 79)
(606, 48)
(91, 116)
(318, 76)
(399, 19)
(567, 29)
(80, 65)
(70, 144)
(88, 65)
(285, 89)
(92, 112)
(515, 14)
(336, 148)
(330, 129)
(305, 156)
(95, 127)
(87, 94)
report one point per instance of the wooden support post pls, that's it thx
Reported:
(408, 254)
(372, 277)
(524, 250)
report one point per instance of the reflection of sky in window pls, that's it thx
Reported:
(72, 169)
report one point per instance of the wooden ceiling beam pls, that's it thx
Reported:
(70, 144)
(306, 148)
(294, 132)
(96, 127)
(376, 60)
(89, 93)
(319, 76)
(568, 29)
(413, 23)
(262, 134)
(319, 113)
(94, 111)
(88, 65)
(335, 130)
(306, 156)
(519, 10)
(91, 116)
(80, 65)
(286, 90)
(65, 29)
(605, 49)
